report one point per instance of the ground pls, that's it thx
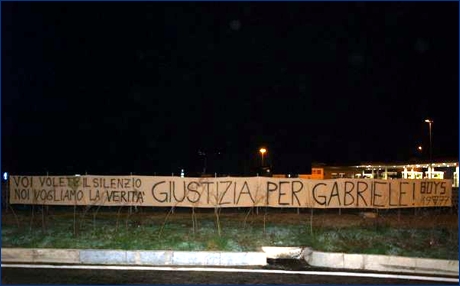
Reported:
(424, 232)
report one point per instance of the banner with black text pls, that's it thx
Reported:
(228, 192)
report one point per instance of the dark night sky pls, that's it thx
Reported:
(113, 88)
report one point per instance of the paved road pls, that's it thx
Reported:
(91, 275)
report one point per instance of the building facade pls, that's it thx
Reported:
(384, 171)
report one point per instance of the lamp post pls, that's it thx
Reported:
(205, 160)
(262, 153)
(431, 148)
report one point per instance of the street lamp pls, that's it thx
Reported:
(200, 153)
(262, 153)
(431, 148)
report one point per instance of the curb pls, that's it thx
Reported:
(135, 257)
(369, 262)
(382, 263)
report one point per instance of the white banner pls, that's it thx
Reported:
(228, 192)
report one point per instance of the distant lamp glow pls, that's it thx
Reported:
(77, 175)
(182, 173)
(5, 176)
(419, 148)
(262, 153)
